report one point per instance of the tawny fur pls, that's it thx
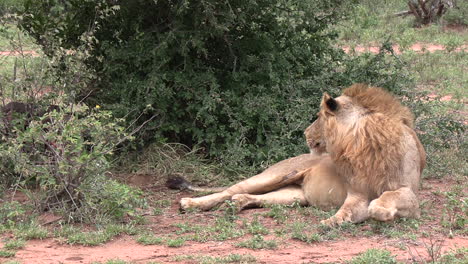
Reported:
(367, 155)
(368, 150)
(370, 139)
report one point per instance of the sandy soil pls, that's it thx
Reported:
(417, 47)
(125, 248)
(53, 251)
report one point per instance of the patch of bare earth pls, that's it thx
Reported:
(417, 47)
(339, 250)
(125, 248)
(19, 53)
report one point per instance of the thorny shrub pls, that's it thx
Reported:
(61, 158)
(53, 147)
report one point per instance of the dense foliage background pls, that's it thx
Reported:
(241, 79)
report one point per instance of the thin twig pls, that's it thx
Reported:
(136, 130)
(403, 13)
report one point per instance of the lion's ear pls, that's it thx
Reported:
(329, 103)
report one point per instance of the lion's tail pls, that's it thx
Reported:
(179, 183)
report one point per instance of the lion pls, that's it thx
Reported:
(365, 158)
(369, 136)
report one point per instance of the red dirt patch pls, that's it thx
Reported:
(125, 248)
(19, 53)
(417, 47)
(341, 249)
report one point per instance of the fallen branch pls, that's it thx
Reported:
(403, 13)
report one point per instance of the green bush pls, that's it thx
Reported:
(65, 156)
(106, 199)
(55, 150)
(240, 79)
(8, 6)
(458, 14)
(11, 213)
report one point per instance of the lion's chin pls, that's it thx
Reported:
(314, 152)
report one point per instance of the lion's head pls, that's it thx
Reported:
(314, 138)
(356, 102)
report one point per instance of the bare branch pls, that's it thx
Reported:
(403, 13)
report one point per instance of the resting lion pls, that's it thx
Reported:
(365, 158)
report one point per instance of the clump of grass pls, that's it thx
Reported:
(374, 256)
(298, 231)
(225, 229)
(163, 203)
(234, 258)
(222, 229)
(230, 211)
(258, 242)
(400, 228)
(89, 238)
(455, 211)
(231, 258)
(7, 253)
(12, 213)
(255, 227)
(31, 231)
(458, 256)
(149, 239)
(278, 212)
(14, 244)
(176, 242)
(452, 43)
(316, 212)
(160, 205)
(74, 235)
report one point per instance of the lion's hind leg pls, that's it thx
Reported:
(286, 195)
(257, 184)
(204, 203)
(399, 203)
(283, 173)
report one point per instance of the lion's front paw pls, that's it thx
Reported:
(241, 201)
(334, 221)
(381, 213)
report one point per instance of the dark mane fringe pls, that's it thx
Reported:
(378, 100)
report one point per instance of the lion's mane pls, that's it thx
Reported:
(368, 148)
